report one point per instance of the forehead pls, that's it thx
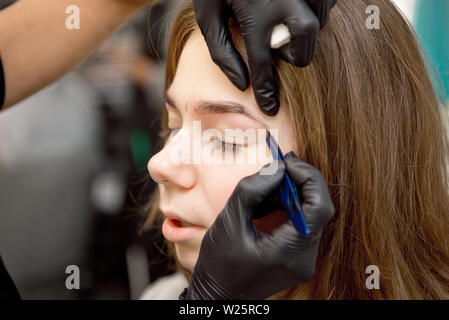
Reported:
(199, 78)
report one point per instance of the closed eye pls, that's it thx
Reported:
(226, 146)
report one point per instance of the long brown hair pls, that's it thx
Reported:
(365, 114)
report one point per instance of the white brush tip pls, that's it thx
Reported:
(280, 36)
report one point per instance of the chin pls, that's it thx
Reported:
(186, 255)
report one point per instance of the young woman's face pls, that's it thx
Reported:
(194, 192)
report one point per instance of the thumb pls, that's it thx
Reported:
(312, 188)
(304, 27)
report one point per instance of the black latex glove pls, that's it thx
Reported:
(257, 18)
(236, 261)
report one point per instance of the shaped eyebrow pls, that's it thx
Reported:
(207, 107)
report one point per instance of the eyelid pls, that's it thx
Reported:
(173, 111)
(222, 145)
(233, 142)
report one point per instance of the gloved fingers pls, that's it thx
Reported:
(316, 204)
(272, 203)
(251, 198)
(322, 9)
(214, 26)
(290, 250)
(303, 26)
(263, 72)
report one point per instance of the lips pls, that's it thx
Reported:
(177, 230)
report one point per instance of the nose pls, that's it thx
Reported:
(168, 167)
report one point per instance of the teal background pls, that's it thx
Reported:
(431, 22)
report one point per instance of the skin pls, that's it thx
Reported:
(37, 48)
(197, 192)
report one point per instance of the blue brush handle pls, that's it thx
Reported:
(289, 193)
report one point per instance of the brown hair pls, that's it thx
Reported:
(365, 114)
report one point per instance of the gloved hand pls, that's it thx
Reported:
(257, 18)
(236, 261)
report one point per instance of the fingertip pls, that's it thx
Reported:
(290, 155)
(225, 55)
(271, 109)
(269, 104)
(264, 79)
(233, 67)
(271, 175)
(279, 166)
(241, 81)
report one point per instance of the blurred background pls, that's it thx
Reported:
(73, 175)
(73, 161)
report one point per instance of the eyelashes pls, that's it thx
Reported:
(218, 143)
(226, 146)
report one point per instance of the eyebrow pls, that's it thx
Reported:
(207, 107)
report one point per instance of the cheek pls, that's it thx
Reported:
(221, 182)
(225, 183)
